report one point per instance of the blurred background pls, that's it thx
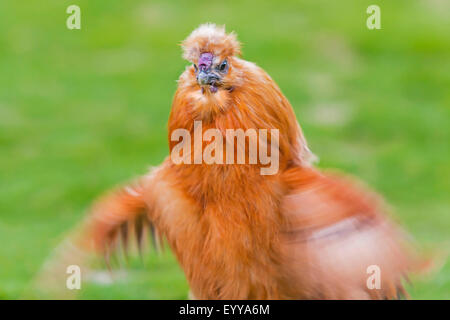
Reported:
(84, 110)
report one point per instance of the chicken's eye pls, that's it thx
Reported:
(223, 65)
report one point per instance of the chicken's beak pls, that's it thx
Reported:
(207, 78)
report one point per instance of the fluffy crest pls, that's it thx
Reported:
(210, 38)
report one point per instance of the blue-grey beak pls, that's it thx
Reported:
(207, 78)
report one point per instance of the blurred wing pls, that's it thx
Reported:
(337, 240)
(119, 221)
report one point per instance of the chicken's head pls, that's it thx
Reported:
(211, 52)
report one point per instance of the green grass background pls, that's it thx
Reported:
(83, 110)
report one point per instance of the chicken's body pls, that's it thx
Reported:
(296, 234)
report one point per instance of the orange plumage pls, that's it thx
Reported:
(237, 234)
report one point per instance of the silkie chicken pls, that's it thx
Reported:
(238, 234)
